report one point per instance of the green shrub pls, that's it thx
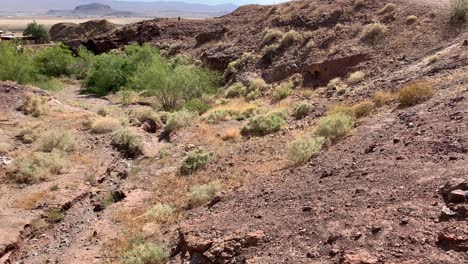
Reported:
(83, 64)
(301, 110)
(200, 194)
(236, 90)
(102, 112)
(35, 167)
(372, 32)
(458, 9)
(283, 90)
(270, 49)
(57, 140)
(16, 66)
(289, 38)
(36, 30)
(55, 215)
(197, 106)
(34, 105)
(356, 77)
(415, 93)
(147, 253)
(195, 160)
(219, 116)
(387, 8)
(257, 84)
(270, 36)
(179, 120)
(302, 150)
(235, 66)
(128, 97)
(54, 61)
(109, 73)
(335, 126)
(262, 125)
(161, 212)
(127, 142)
(105, 125)
(146, 113)
(253, 95)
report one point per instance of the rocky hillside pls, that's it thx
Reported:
(352, 150)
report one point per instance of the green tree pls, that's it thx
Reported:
(38, 31)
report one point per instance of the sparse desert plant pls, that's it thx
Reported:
(382, 98)
(359, 3)
(301, 110)
(102, 111)
(253, 95)
(196, 105)
(195, 160)
(341, 109)
(35, 105)
(55, 215)
(270, 49)
(161, 212)
(270, 36)
(289, 38)
(302, 150)
(179, 119)
(235, 66)
(29, 133)
(411, 19)
(147, 253)
(262, 125)
(236, 90)
(387, 8)
(57, 140)
(127, 142)
(458, 9)
(200, 194)
(333, 84)
(230, 134)
(128, 97)
(105, 125)
(415, 93)
(356, 77)
(35, 167)
(432, 59)
(143, 114)
(283, 90)
(219, 116)
(335, 126)
(372, 32)
(4, 148)
(310, 44)
(363, 108)
(247, 113)
(257, 84)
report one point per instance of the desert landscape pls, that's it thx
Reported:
(304, 132)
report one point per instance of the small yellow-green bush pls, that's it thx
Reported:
(335, 126)
(147, 253)
(200, 194)
(411, 19)
(372, 32)
(236, 90)
(382, 98)
(144, 114)
(55, 215)
(161, 212)
(363, 108)
(102, 111)
(195, 160)
(359, 3)
(35, 167)
(270, 36)
(235, 66)
(290, 38)
(219, 116)
(57, 140)
(257, 84)
(356, 77)
(179, 119)
(302, 150)
(301, 110)
(341, 109)
(34, 105)
(262, 125)
(415, 93)
(310, 44)
(283, 90)
(105, 125)
(30, 133)
(387, 8)
(126, 141)
(458, 9)
(4, 148)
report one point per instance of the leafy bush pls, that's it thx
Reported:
(415, 93)
(270, 36)
(236, 90)
(302, 150)
(35, 167)
(109, 73)
(57, 140)
(147, 253)
(301, 110)
(283, 90)
(363, 108)
(235, 66)
(289, 38)
(34, 105)
(36, 30)
(161, 212)
(195, 160)
(219, 116)
(372, 32)
(105, 125)
(83, 64)
(16, 66)
(197, 106)
(458, 8)
(356, 77)
(253, 95)
(127, 142)
(200, 194)
(179, 120)
(262, 125)
(387, 8)
(54, 61)
(335, 126)
(382, 98)
(257, 84)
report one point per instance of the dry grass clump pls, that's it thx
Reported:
(128, 97)
(310, 44)
(382, 98)
(271, 35)
(31, 200)
(262, 125)
(161, 212)
(146, 113)
(335, 126)
(35, 167)
(257, 84)
(372, 32)
(102, 111)
(359, 3)
(105, 125)
(387, 8)
(283, 90)
(415, 93)
(34, 105)
(363, 108)
(302, 150)
(179, 119)
(4, 148)
(230, 134)
(270, 49)
(57, 140)
(200, 194)
(235, 90)
(341, 109)
(432, 59)
(219, 116)
(411, 19)
(147, 253)
(195, 160)
(29, 133)
(290, 38)
(301, 110)
(129, 143)
(458, 9)
(356, 77)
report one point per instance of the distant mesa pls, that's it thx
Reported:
(94, 9)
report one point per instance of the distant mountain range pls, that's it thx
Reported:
(145, 8)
